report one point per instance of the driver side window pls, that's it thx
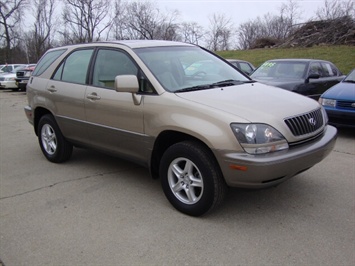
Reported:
(109, 64)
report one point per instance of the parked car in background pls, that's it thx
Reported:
(242, 65)
(339, 102)
(8, 80)
(23, 75)
(195, 121)
(9, 68)
(308, 77)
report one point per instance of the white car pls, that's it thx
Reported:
(8, 80)
(9, 67)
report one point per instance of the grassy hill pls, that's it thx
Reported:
(341, 55)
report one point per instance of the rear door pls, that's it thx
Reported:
(328, 76)
(316, 86)
(115, 123)
(66, 91)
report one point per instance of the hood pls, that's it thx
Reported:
(341, 91)
(8, 75)
(253, 102)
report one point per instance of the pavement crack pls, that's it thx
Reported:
(57, 183)
(343, 152)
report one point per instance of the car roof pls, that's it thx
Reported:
(307, 60)
(130, 43)
(236, 60)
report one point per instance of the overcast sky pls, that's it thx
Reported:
(238, 10)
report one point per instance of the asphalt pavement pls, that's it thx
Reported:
(100, 210)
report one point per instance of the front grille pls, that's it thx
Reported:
(305, 123)
(20, 74)
(350, 105)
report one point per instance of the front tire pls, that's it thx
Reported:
(53, 144)
(191, 178)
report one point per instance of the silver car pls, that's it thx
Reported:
(8, 79)
(198, 129)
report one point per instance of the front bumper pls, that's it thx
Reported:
(259, 171)
(341, 118)
(21, 83)
(8, 85)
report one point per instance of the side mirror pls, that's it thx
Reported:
(312, 76)
(126, 83)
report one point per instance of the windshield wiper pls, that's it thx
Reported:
(196, 88)
(223, 83)
(349, 81)
(231, 82)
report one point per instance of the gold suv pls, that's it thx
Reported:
(193, 119)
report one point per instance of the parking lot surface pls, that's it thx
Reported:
(100, 210)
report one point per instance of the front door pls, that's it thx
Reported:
(115, 122)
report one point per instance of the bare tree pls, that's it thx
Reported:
(270, 29)
(220, 33)
(248, 32)
(168, 29)
(336, 9)
(291, 11)
(38, 40)
(117, 30)
(85, 20)
(145, 21)
(191, 32)
(10, 17)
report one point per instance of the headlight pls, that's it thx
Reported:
(9, 79)
(259, 138)
(327, 102)
(325, 115)
(27, 74)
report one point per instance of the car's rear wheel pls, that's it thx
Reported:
(191, 178)
(51, 140)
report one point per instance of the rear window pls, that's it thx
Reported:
(46, 61)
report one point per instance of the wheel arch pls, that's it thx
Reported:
(39, 112)
(166, 139)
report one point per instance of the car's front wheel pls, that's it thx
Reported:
(191, 178)
(53, 144)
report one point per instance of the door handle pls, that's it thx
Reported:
(93, 96)
(52, 89)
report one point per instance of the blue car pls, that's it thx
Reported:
(339, 102)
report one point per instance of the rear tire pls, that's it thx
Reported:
(53, 144)
(191, 178)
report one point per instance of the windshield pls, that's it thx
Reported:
(181, 68)
(280, 70)
(350, 77)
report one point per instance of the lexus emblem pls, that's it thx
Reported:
(353, 105)
(312, 121)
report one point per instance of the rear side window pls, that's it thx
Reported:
(74, 68)
(329, 70)
(245, 67)
(46, 61)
